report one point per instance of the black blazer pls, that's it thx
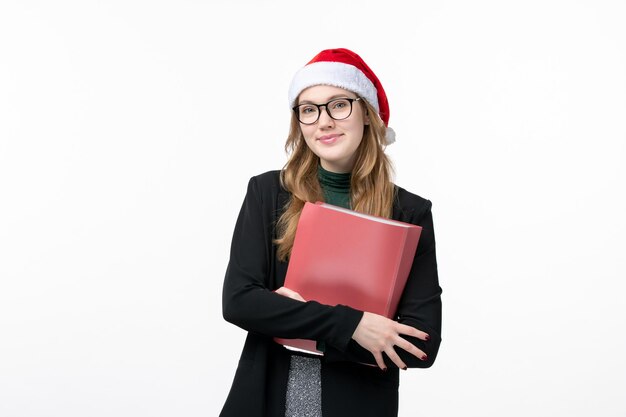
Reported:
(248, 301)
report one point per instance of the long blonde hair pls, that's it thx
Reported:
(371, 189)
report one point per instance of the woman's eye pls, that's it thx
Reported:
(307, 110)
(339, 104)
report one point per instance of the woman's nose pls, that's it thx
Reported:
(325, 119)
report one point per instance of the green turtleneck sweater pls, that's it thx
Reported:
(336, 187)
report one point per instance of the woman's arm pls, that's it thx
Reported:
(247, 300)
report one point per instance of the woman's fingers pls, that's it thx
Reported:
(393, 355)
(286, 292)
(379, 334)
(408, 346)
(380, 361)
(411, 348)
(412, 331)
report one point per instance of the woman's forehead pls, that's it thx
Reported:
(323, 93)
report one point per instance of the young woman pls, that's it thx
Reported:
(339, 130)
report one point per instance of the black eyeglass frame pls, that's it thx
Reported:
(325, 105)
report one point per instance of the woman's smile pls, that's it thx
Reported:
(329, 139)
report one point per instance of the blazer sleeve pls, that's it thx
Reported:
(419, 307)
(247, 300)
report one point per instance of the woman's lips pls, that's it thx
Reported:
(328, 139)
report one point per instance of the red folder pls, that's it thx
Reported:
(340, 256)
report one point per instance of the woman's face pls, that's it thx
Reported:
(334, 141)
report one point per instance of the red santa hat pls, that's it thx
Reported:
(345, 69)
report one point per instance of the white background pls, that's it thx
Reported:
(129, 130)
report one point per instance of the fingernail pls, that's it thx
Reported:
(385, 369)
(424, 357)
(427, 338)
(405, 368)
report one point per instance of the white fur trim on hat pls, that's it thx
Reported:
(337, 74)
(390, 136)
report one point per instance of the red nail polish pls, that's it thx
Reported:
(424, 357)
(384, 369)
(405, 368)
(427, 338)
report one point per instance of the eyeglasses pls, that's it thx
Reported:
(337, 109)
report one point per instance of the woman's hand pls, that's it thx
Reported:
(286, 292)
(379, 334)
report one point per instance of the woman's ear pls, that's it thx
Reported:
(366, 119)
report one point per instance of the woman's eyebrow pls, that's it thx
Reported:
(329, 99)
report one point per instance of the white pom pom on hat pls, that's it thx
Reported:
(344, 69)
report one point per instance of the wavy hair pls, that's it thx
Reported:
(371, 188)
